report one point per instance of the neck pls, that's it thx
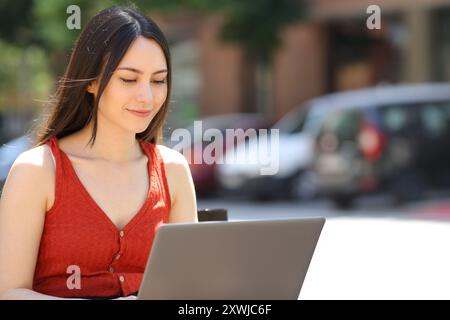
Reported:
(112, 144)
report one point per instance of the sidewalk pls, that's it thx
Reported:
(370, 258)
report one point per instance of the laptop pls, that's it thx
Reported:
(238, 260)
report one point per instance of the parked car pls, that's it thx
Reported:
(393, 139)
(297, 131)
(204, 174)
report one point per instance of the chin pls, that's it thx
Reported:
(140, 130)
(137, 127)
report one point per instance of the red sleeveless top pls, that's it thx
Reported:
(82, 253)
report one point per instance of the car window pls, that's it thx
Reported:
(430, 118)
(447, 110)
(314, 120)
(343, 123)
(434, 120)
(293, 121)
(395, 118)
(298, 126)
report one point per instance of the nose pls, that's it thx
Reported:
(145, 95)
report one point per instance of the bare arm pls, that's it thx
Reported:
(22, 215)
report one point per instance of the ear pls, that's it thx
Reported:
(92, 87)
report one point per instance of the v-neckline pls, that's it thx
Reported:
(97, 207)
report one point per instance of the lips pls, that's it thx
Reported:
(140, 113)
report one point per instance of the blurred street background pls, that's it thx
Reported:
(361, 99)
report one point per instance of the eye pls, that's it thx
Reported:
(159, 81)
(128, 80)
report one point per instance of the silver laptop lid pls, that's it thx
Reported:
(263, 259)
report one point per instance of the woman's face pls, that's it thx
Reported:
(138, 84)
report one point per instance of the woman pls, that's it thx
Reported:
(79, 211)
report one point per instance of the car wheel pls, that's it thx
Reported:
(408, 187)
(262, 197)
(343, 202)
(304, 186)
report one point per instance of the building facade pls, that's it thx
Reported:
(332, 50)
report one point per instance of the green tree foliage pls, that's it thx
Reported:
(257, 25)
(16, 21)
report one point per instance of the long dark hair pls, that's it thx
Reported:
(96, 54)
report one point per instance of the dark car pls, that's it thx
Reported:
(393, 139)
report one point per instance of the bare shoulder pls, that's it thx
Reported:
(38, 160)
(33, 167)
(181, 186)
(176, 166)
(177, 172)
(171, 157)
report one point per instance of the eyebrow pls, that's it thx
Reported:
(139, 71)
